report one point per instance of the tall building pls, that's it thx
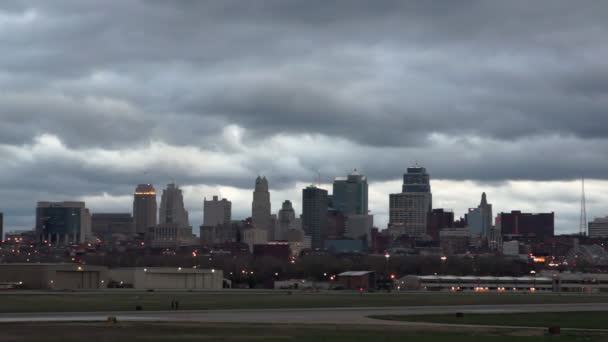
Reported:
(286, 220)
(63, 223)
(1, 227)
(350, 194)
(144, 208)
(107, 226)
(517, 223)
(169, 235)
(599, 227)
(479, 220)
(216, 212)
(172, 208)
(260, 207)
(408, 210)
(314, 214)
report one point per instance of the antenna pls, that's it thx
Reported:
(318, 178)
(583, 219)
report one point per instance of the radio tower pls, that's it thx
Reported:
(583, 219)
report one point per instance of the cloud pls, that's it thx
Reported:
(98, 96)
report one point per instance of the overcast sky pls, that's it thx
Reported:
(507, 97)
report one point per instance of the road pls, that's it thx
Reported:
(306, 316)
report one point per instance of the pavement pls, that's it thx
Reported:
(291, 316)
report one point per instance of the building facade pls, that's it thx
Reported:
(598, 228)
(63, 223)
(172, 210)
(517, 223)
(314, 214)
(168, 235)
(439, 219)
(106, 225)
(145, 209)
(260, 207)
(359, 227)
(479, 220)
(408, 210)
(216, 211)
(350, 194)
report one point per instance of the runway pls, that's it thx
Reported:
(295, 316)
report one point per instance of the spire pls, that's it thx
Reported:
(484, 200)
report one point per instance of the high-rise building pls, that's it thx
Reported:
(286, 220)
(408, 210)
(350, 194)
(216, 212)
(260, 207)
(62, 223)
(314, 214)
(1, 227)
(479, 220)
(144, 208)
(517, 223)
(172, 208)
(598, 228)
(107, 226)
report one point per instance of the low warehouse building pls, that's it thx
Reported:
(54, 276)
(358, 279)
(166, 278)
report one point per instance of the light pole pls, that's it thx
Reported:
(387, 257)
(443, 260)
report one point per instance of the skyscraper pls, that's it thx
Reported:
(62, 223)
(479, 220)
(408, 210)
(216, 212)
(314, 214)
(172, 208)
(350, 194)
(144, 208)
(260, 207)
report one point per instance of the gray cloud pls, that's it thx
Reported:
(215, 92)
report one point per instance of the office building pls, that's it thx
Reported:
(454, 240)
(350, 194)
(314, 214)
(254, 236)
(517, 223)
(110, 226)
(479, 220)
(408, 210)
(599, 228)
(216, 211)
(145, 209)
(260, 207)
(439, 219)
(336, 224)
(63, 223)
(359, 227)
(172, 210)
(286, 220)
(169, 235)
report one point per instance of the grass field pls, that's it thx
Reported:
(578, 320)
(133, 332)
(123, 301)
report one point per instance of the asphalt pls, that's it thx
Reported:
(295, 316)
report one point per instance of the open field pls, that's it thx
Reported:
(128, 332)
(573, 320)
(127, 301)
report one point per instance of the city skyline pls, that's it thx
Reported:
(378, 207)
(212, 94)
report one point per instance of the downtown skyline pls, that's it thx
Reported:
(101, 97)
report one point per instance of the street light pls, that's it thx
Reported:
(387, 256)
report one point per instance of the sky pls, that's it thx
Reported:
(506, 97)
